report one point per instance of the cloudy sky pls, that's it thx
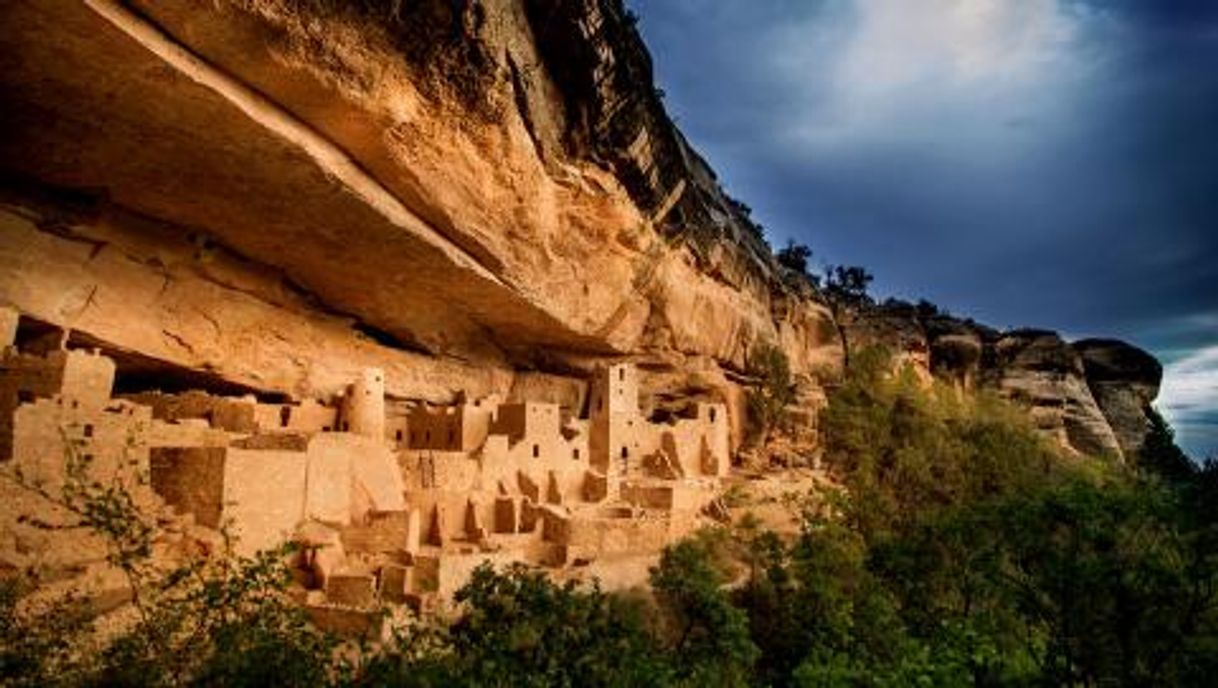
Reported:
(1026, 162)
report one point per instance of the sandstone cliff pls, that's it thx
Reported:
(269, 196)
(278, 193)
(1093, 396)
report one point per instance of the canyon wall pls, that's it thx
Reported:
(269, 196)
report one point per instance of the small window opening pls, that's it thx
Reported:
(398, 435)
(536, 451)
(87, 458)
(25, 396)
(712, 415)
(621, 374)
(625, 453)
(575, 454)
(285, 415)
(88, 430)
(325, 428)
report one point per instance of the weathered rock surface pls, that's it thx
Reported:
(277, 195)
(1124, 381)
(956, 350)
(483, 198)
(1042, 371)
(1092, 396)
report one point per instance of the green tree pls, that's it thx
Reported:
(772, 392)
(518, 628)
(222, 619)
(1160, 454)
(707, 636)
(848, 283)
(795, 257)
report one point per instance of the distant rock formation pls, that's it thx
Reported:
(1124, 381)
(1092, 396)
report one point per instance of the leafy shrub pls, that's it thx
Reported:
(848, 283)
(519, 628)
(707, 637)
(208, 620)
(772, 392)
(794, 257)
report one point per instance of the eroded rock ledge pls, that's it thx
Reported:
(1093, 395)
(479, 198)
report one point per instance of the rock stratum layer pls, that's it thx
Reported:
(270, 196)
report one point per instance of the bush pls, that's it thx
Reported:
(848, 283)
(519, 628)
(965, 550)
(772, 392)
(794, 257)
(206, 620)
(903, 451)
(707, 637)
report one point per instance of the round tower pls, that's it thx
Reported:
(365, 405)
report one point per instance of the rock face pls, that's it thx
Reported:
(1092, 396)
(476, 198)
(1040, 370)
(1124, 381)
(458, 193)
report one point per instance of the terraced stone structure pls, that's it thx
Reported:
(387, 507)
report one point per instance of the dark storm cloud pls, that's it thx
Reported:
(1027, 162)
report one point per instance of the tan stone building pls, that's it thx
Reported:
(390, 500)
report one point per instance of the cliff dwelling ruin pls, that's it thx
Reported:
(389, 500)
(280, 276)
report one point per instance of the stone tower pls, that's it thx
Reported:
(364, 406)
(616, 426)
